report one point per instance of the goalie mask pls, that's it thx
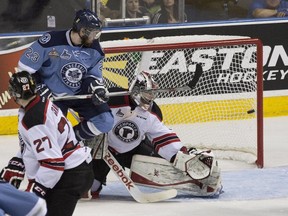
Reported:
(22, 86)
(142, 95)
(87, 22)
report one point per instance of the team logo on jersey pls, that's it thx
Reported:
(53, 53)
(72, 74)
(126, 131)
(65, 55)
(120, 113)
(45, 38)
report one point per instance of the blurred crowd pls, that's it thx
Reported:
(176, 11)
(42, 15)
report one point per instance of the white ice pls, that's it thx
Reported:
(248, 191)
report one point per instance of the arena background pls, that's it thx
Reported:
(272, 33)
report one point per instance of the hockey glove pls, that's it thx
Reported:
(37, 188)
(99, 92)
(14, 172)
(197, 164)
(43, 90)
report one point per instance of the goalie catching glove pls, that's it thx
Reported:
(196, 163)
(99, 92)
(14, 172)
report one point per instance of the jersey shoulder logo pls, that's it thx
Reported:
(119, 113)
(126, 131)
(45, 38)
(53, 53)
(66, 55)
(72, 74)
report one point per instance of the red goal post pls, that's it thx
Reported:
(225, 110)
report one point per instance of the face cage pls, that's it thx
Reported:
(12, 92)
(94, 33)
(146, 100)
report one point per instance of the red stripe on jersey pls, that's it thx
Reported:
(165, 143)
(68, 153)
(158, 139)
(32, 103)
(45, 111)
(55, 164)
(164, 140)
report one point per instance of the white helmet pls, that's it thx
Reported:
(144, 82)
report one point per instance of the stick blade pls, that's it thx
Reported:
(197, 75)
(155, 197)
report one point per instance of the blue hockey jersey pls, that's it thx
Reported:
(61, 65)
(17, 203)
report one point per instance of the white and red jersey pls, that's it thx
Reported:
(48, 143)
(132, 125)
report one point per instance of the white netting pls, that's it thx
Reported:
(220, 113)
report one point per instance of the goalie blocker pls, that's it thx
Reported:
(159, 173)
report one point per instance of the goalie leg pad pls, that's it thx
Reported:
(197, 164)
(159, 173)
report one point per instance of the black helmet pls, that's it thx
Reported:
(86, 19)
(22, 85)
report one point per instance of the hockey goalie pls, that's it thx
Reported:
(154, 154)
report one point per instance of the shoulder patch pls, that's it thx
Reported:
(45, 38)
(36, 115)
(53, 38)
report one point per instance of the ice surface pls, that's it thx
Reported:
(248, 191)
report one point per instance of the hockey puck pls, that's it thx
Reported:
(251, 111)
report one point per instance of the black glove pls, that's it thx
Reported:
(14, 172)
(43, 90)
(99, 92)
(37, 188)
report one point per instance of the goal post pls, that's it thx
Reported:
(224, 112)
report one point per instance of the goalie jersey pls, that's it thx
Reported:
(132, 124)
(60, 64)
(48, 143)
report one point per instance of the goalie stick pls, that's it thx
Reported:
(134, 191)
(138, 195)
(190, 85)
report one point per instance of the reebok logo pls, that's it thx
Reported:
(118, 169)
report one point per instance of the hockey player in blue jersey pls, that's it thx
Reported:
(70, 63)
(17, 203)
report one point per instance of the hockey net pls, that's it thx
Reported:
(224, 112)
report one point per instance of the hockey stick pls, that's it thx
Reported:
(128, 183)
(191, 85)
